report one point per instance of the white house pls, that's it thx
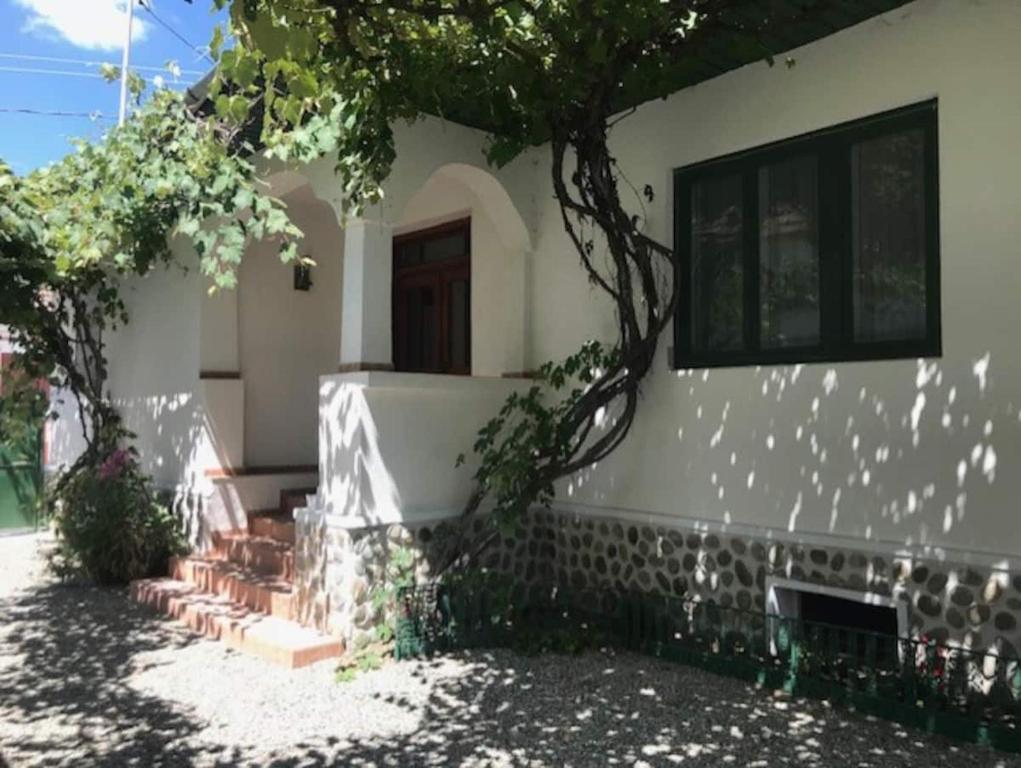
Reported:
(838, 411)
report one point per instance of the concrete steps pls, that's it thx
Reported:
(260, 554)
(271, 595)
(242, 592)
(272, 525)
(268, 637)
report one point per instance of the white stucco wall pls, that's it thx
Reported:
(288, 338)
(497, 272)
(154, 369)
(902, 452)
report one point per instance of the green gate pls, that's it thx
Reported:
(20, 482)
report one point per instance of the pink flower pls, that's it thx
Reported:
(114, 465)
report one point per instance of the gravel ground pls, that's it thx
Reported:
(88, 678)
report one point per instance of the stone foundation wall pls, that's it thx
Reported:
(338, 567)
(975, 606)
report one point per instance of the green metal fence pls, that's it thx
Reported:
(21, 482)
(962, 693)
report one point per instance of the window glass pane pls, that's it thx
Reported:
(717, 257)
(888, 237)
(445, 247)
(789, 254)
(459, 323)
(421, 329)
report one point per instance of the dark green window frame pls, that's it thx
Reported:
(832, 150)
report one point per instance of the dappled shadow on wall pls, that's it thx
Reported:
(353, 472)
(917, 453)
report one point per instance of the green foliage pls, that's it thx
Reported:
(109, 527)
(535, 429)
(70, 235)
(399, 575)
(23, 409)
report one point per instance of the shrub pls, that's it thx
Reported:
(109, 527)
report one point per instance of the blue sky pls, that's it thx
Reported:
(73, 36)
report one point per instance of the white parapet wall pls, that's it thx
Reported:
(389, 442)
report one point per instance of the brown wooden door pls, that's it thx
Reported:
(432, 300)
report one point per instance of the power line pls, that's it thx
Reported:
(67, 73)
(53, 113)
(39, 71)
(58, 60)
(159, 20)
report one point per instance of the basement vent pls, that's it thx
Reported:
(836, 616)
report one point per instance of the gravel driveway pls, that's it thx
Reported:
(88, 678)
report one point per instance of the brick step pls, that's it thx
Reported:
(257, 553)
(266, 594)
(272, 525)
(268, 637)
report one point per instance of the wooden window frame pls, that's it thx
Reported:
(832, 149)
(444, 273)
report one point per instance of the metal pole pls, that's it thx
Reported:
(125, 57)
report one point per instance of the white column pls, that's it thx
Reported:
(365, 331)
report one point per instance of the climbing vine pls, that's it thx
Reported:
(559, 73)
(71, 234)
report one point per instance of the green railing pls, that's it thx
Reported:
(954, 691)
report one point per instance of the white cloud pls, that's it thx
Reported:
(95, 24)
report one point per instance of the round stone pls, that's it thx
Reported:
(648, 534)
(638, 560)
(878, 565)
(680, 585)
(632, 535)
(693, 541)
(666, 547)
(689, 562)
(600, 565)
(759, 552)
(743, 574)
(978, 614)
(992, 590)
(712, 541)
(738, 547)
(1005, 622)
(920, 575)
(818, 556)
(727, 578)
(837, 562)
(929, 605)
(673, 565)
(936, 583)
(724, 558)
(744, 600)
(954, 618)
(726, 600)
(662, 581)
(961, 596)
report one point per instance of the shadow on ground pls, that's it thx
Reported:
(68, 656)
